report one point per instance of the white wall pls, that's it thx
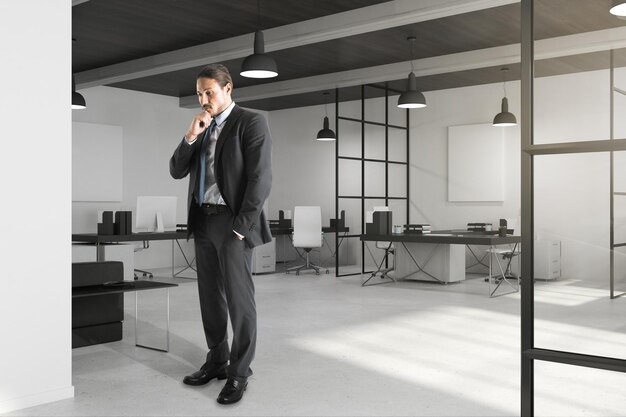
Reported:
(35, 310)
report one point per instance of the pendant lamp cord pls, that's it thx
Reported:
(504, 70)
(326, 103)
(412, 41)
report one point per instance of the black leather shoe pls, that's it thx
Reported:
(232, 391)
(206, 373)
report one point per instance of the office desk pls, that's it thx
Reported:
(174, 236)
(443, 252)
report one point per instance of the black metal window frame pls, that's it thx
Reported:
(338, 157)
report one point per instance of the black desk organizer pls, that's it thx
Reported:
(381, 224)
(123, 223)
(281, 223)
(340, 223)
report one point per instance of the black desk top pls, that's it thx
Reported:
(330, 229)
(119, 287)
(135, 237)
(281, 230)
(289, 230)
(446, 237)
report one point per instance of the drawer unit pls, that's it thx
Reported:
(264, 258)
(547, 259)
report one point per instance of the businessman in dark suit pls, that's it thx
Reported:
(226, 152)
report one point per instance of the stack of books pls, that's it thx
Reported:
(417, 228)
(479, 227)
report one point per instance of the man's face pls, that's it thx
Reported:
(212, 97)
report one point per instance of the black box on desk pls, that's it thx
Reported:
(340, 223)
(282, 221)
(123, 222)
(106, 229)
(107, 226)
(370, 229)
(382, 223)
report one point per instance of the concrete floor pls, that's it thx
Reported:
(329, 347)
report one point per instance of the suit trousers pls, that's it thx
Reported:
(225, 288)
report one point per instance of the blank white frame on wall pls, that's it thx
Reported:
(475, 163)
(96, 162)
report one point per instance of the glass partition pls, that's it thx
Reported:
(573, 145)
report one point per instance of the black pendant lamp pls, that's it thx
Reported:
(78, 101)
(504, 118)
(326, 134)
(411, 98)
(259, 64)
(618, 8)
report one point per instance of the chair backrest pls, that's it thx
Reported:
(307, 227)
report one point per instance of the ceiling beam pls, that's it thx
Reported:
(508, 54)
(502, 55)
(354, 22)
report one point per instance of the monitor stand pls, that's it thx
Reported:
(159, 222)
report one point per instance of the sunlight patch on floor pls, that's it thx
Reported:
(453, 348)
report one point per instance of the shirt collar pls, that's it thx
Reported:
(220, 118)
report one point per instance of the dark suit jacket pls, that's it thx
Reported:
(243, 171)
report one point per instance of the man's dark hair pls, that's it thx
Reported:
(218, 72)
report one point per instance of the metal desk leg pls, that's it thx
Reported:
(479, 261)
(189, 264)
(167, 325)
(503, 276)
(379, 269)
(330, 249)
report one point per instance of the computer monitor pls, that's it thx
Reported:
(156, 213)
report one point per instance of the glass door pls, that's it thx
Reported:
(573, 128)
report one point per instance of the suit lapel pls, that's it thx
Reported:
(225, 133)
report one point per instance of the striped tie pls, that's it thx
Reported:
(203, 148)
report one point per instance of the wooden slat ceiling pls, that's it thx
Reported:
(113, 31)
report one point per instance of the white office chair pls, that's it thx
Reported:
(307, 234)
(389, 249)
(504, 258)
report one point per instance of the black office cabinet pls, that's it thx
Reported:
(96, 319)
